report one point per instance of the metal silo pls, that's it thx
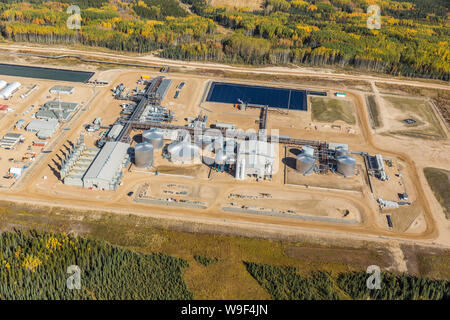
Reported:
(346, 166)
(341, 151)
(183, 152)
(153, 137)
(305, 163)
(308, 150)
(143, 155)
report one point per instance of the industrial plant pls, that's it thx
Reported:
(171, 141)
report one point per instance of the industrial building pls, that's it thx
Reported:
(255, 158)
(62, 89)
(57, 110)
(10, 140)
(163, 88)
(44, 128)
(32, 89)
(105, 171)
(9, 90)
(376, 166)
(115, 131)
(76, 164)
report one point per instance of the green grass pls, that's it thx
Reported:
(434, 266)
(331, 110)
(421, 111)
(438, 179)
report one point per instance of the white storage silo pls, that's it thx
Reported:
(341, 151)
(154, 137)
(308, 150)
(143, 155)
(346, 166)
(183, 152)
(305, 163)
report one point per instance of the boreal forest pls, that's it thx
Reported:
(412, 39)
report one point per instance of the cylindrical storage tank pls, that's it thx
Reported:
(183, 152)
(153, 137)
(221, 157)
(143, 155)
(304, 163)
(3, 84)
(340, 151)
(308, 150)
(346, 166)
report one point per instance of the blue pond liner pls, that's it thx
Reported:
(273, 97)
(45, 73)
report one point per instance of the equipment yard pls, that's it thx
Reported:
(185, 146)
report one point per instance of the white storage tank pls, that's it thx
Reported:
(183, 152)
(7, 92)
(305, 163)
(143, 155)
(154, 137)
(308, 150)
(346, 166)
(341, 151)
(3, 84)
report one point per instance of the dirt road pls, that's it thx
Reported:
(313, 72)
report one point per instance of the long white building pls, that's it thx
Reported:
(105, 171)
(8, 91)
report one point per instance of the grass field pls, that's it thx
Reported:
(429, 125)
(439, 181)
(331, 110)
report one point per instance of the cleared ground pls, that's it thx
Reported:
(426, 126)
(45, 191)
(332, 110)
(439, 181)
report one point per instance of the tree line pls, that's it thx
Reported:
(413, 39)
(34, 265)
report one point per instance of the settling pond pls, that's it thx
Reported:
(273, 97)
(45, 73)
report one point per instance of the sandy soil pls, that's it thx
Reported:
(188, 104)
